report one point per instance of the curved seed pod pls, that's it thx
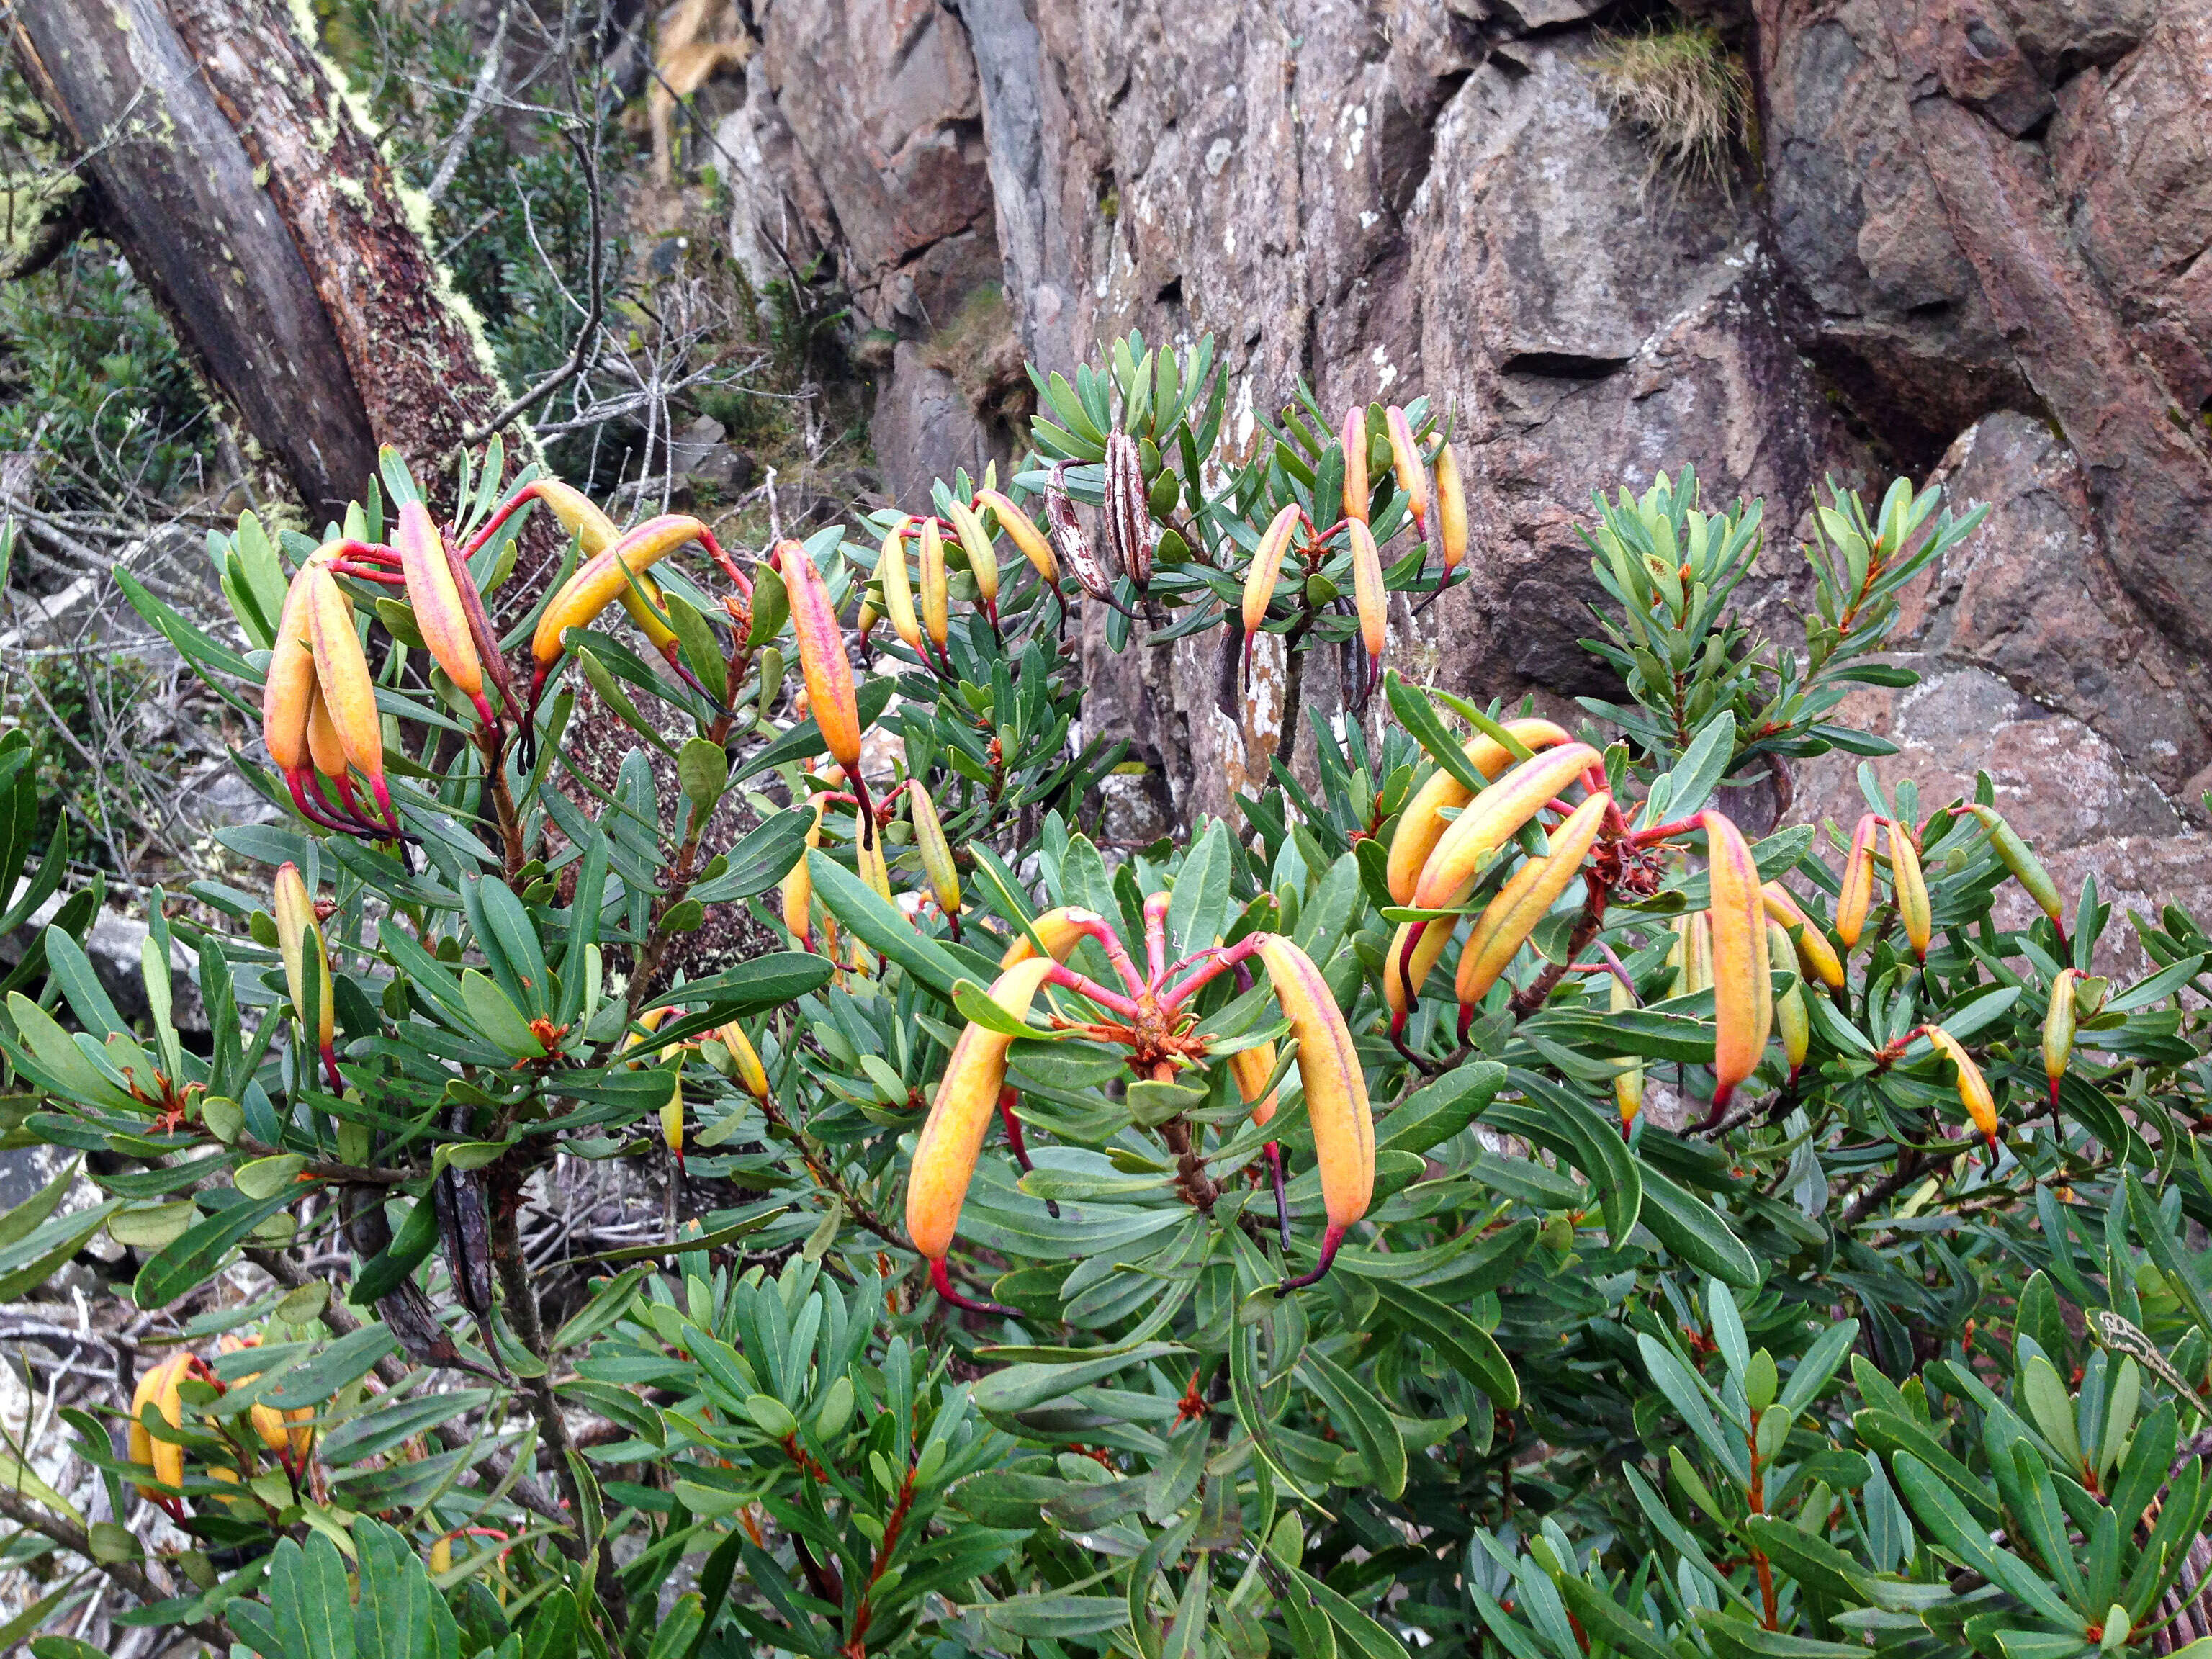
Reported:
(1252, 1067)
(1857, 894)
(1409, 965)
(268, 1422)
(348, 693)
(1023, 532)
(822, 659)
(325, 749)
(1494, 817)
(1067, 536)
(967, 1100)
(744, 1060)
(1062, 930)
(1368, 597)
(606, 578)
(1628, 1082)
(2027, 869)
(1451, 510)
(1354, 437)
(865, 624)
(289, 683)
(2058, 1024)
(1791, 1017)
(169, 1459)
(1406, 459)
(1129, 515)
(1814, 954)
(1526, 899)
(798, 887)
(1974, 1088)
(898, 597)
(157, 1387)
(1335, 1090)
(1422, 823)
(297, 934)
(579, 516)
(671, 1116)
(936, 586)
(982, 557)
(435, 599)
(1743, 978)
(936, 851)
(1260, 580)
(874, 869)
(1905, 874)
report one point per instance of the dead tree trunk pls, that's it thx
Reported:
(252, 200)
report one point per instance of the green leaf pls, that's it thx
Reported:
(1470, 1350)
(1017, 1387)
(195, 1255)
(1362, 1418)
(762, 858)
(1693, 1232)
(492, 1013)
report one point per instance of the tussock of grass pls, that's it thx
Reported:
(1687, 93)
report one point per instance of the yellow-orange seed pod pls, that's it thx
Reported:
(159, 1389)
(1267, 567)
(606, 578)
(1406, 459)
(1422, 823)
(1628, 1081)
(1743, 983)
(898, 597)
(936, 586)
(297, 937)
(1494, 817)
(1060, 931)
(1974, 1088)
(869, 852)
(1525, 900)
(982, 557)
(442, 1555)
(1810, 945)
(936, 851)
(822, 660)
(1335, 1090)
(579, 516)
(1403, 978)
(342, 672)
(326, 750)
(1905, 874)
(1451, 510)
(1022, 530)
(1252, 1067)
(1857, 894)
(798, 887)
(1791, 1019)
(1368, 597)
(671, 1113)
(1354, 440)
(1691, 956)
(2059, 1021)
(744, 1060)
(967, 1100)
(289, 683)
(435, 597)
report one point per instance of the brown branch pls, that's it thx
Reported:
(129, 1574)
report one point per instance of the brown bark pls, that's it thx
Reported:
(252, 200)
(178, 194)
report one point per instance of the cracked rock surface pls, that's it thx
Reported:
(1975, 237)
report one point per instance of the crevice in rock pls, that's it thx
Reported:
(1561, 366)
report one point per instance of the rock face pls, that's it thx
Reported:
(1974, 238)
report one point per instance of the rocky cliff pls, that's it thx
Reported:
(1964, 238)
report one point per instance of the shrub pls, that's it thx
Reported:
(1305, 1309)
